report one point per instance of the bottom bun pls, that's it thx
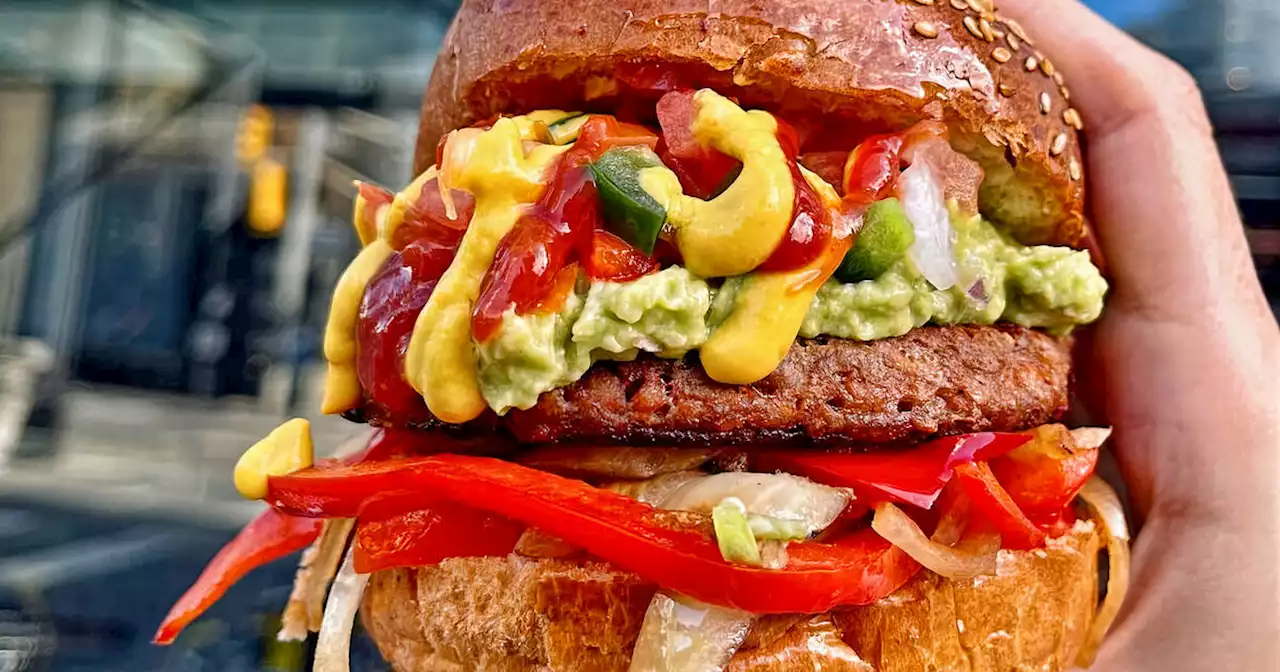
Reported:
(519, 614)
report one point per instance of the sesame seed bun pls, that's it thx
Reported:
(872, 64)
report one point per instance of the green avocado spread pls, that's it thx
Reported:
(672, 311)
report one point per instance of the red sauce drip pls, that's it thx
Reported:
(427, 240)
(557, 231)
(810, 231)
(387, 313)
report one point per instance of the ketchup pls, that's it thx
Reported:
(427, 241)
(557, 231)
(810, 231)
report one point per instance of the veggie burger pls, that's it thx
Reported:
(709, 336)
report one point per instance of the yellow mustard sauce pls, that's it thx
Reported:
(441, 361)
(768, 311)
(737, 230)
(342, 385)
(505, 168)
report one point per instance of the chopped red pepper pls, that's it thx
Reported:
(271, 536)
(915, 476)
(1045, 474)
(660, 546)
(426, 536)
(613, 258)
(703, 171)
(994, 504)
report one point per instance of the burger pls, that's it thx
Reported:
(728, 336)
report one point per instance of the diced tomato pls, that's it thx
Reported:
(1045, 474)
(915, 476)
(649, 78)
(602, 133)
(664, 547)
(613, 258)
(426, 220)
(375, 198)
(271, 536)
(991, 502)
(386, 539)
(872, 169)
(703, 171)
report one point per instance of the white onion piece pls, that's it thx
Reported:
(333, 647)
(780, 496)
(654, 491)
(953, 563)
(1088, 438)
(920, 190)
(1105, 503)
(320, 561)
(683, 635)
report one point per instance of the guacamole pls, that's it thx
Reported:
(672, 312)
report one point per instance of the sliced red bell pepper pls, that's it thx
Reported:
(270, 536)
(667, 548)
(915, 476)
(397, 538)
(1045, 474)
(991, 502)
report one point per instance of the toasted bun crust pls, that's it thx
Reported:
(932, 381)
(846, 63)
(521, 614)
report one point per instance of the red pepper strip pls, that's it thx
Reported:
(425, 537)
(914, 476)
(1044, 475)
(664, 547)
(270, 536)
(992, 502)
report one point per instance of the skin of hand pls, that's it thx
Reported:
(1185, 361)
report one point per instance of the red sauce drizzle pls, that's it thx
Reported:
(558, 230)
(810, 231)
(427, 241)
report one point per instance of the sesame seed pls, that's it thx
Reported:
(972, 27)
(1046, 66)
(1014, 43)
(924, 2)
(1045, 104)
(1007, 91)
(1059, 144)
(1057, 78)
(1031, 63)
(1000, 34)
(1072, 118)
(977, 6)
(1073, 169)
(1001, 55)
(1017, 30)
(926, 29)
(1066, 93)
(987, 34)
(959, 4)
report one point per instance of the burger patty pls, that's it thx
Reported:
(519, 614)
(932, 381)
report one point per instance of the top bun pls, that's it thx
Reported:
(874, 65)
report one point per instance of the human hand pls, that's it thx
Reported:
(1185, 362)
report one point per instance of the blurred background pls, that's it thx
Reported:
(175, 195)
